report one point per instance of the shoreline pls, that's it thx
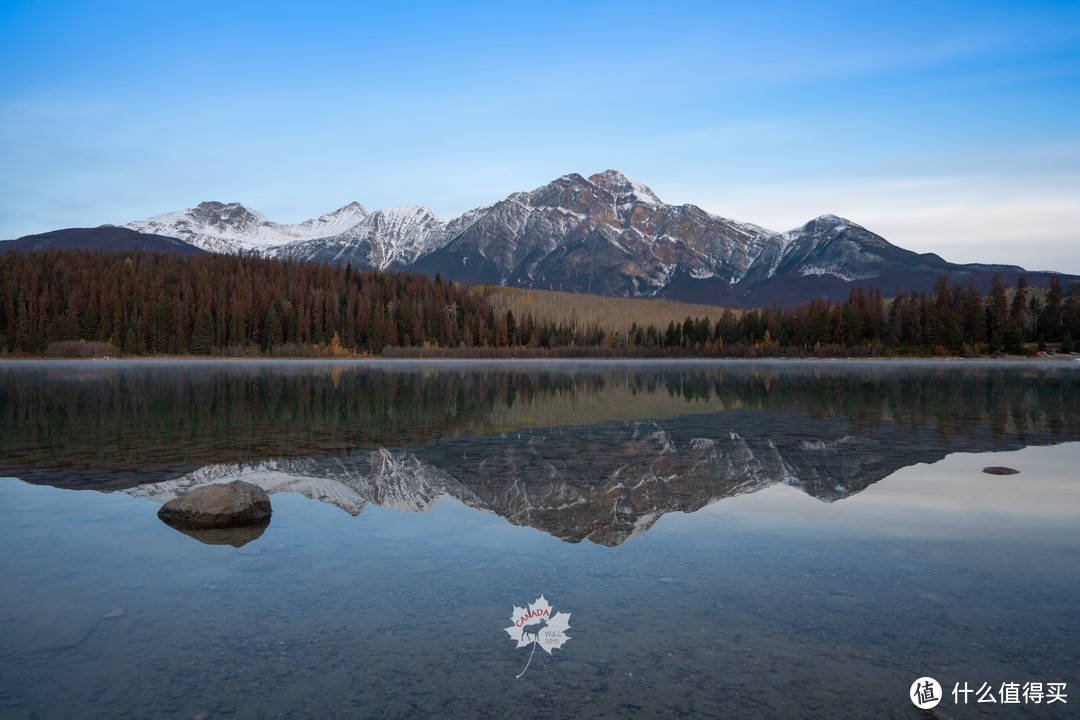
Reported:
(1055, 358)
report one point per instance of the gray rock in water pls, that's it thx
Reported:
(220, 505)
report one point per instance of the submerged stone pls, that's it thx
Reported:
(1000, 470)
(219, 505)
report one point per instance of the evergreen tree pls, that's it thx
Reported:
(1013, 338)
(202, 335)
(511, 328)
(271, 329)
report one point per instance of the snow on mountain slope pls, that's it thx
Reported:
(831, 245)
(608, 234)
(400, 235)
(384, 239)
(232, 227)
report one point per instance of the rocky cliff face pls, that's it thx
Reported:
(606, 234)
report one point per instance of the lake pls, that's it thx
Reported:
(702, 539)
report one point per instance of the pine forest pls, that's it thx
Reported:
(79, 303)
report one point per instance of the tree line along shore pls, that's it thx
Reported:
(81, 303)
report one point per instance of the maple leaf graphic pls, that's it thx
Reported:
(536, 625)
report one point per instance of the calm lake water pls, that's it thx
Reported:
(730, 540)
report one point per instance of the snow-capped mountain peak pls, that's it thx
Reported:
(821, 225)
(233, 227)
(334, 223)
(624, 187)
(408, 213)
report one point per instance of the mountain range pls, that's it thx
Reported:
(607, 234)
(621, 496)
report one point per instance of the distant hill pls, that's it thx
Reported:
(101, 238)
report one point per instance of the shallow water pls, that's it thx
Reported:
(834, 553)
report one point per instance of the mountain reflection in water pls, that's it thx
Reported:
(580, 450)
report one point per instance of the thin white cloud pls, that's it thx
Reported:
(1029, 221)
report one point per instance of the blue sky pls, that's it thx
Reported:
(944, 127)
